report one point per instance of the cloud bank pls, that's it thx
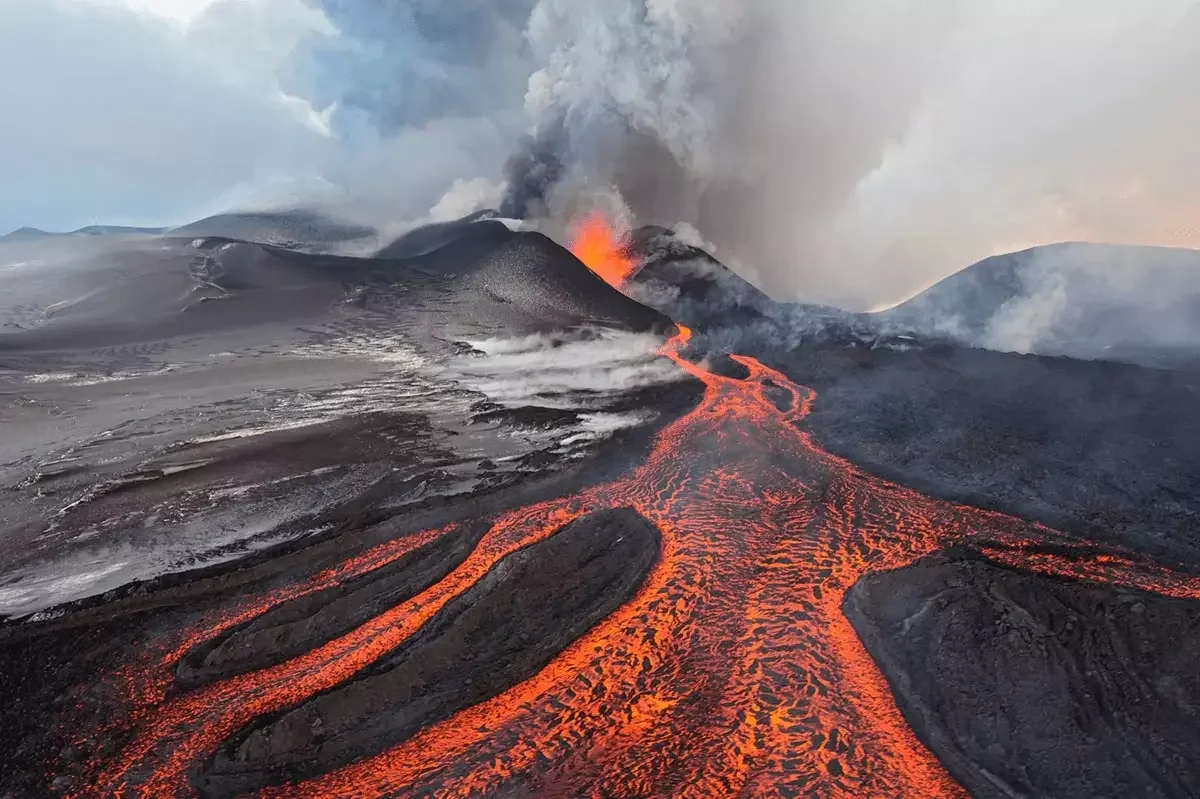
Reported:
(842, 151)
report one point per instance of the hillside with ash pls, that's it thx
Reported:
(1076, 299)
(477, 514)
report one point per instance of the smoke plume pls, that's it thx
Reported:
(855, 152)
(849, 152)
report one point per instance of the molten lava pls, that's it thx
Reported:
(603, 250)
(732, 672)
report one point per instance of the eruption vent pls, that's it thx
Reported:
(603, 250)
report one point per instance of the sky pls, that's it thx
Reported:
(138, 112)
(158, 112)
(841, 151)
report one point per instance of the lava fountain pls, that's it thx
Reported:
(603, 250)
(732, 671)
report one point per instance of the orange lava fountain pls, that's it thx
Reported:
(732, 672)
(602, 250)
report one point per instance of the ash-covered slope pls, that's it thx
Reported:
(472, 275)
(427, 238)
(692, 287)
(1077, 299)
(524, 278)
(1089, 301)
(106, 293)
(300, 229)
(175, 401)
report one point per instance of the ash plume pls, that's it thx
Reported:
(852, 154)
(835, 151)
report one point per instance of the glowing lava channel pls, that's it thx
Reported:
(732, 672)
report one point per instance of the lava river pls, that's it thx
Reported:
(731, 672)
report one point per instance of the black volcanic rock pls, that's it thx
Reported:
(302, 624)
(524, 278)
(1024, 685)
(1076, 299)
(500, 631)
(727, 311)
(691, 286)
(1106, 451)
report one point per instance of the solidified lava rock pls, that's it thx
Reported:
(502, 630)
(529, 416)
(1025, 685)
(302, 624)
(1106, 452)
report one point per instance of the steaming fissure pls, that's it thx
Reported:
(732, 671)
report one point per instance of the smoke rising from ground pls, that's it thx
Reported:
(855, 152)
(552, 371)
(841, 151)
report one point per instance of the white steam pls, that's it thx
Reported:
(854, 151)
(849, 152)
(563, 371)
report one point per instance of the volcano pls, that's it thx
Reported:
(483, 515)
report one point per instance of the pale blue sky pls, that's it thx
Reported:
(159, 111)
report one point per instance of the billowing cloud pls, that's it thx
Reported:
(844, 151)
(157, 112)
(852, 151)
(112, 113)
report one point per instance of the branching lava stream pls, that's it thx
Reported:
(732, 671)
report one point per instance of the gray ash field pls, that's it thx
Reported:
(240, 464)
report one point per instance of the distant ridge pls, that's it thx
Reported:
(110, 230)
(1078, 299)
(89, 230)
(26, 233)
(298, 227)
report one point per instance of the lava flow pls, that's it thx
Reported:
(597, 245)
(732, 671)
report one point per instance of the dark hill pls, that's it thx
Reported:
(729, 312)
(489, 275)
(427, 238)
(1081, 300)
(690, 285)
(483, 278)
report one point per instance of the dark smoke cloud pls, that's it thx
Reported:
(533, 172)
